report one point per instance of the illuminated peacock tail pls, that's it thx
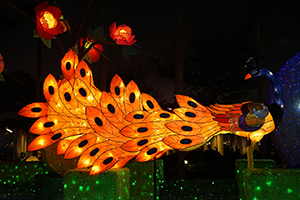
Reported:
(107, 129)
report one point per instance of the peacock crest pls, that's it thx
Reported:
(107, 129)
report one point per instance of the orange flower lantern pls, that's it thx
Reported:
(94, 51)
(107, 129)
(121, 34)
(48, 21)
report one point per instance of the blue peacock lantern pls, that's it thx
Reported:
(286, 136)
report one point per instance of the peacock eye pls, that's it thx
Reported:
(256, 72)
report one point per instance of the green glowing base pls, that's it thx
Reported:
(18, 179)
(49, 187)
(241, 166)
(142, 184)
(270, 184)
(111, 185)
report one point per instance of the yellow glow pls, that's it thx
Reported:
(41, 142)
(87, 162)
(256, 136)
(123, 31)
(79, 151)
(48, 20)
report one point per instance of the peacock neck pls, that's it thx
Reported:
(279, 99)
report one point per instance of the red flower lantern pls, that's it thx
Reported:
(48, 21)
(1, 63)
(121, 34)
(94, 51)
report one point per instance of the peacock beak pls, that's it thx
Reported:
(248, 76)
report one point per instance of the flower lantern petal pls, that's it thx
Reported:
(1, 63)
(112, 30)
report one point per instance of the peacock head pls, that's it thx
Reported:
(276, 108)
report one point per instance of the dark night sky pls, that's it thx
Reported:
(152, 23)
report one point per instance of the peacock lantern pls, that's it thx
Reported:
(105, 130)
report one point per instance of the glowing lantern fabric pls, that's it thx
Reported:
(94, 51)
(48, 21)
(122, 34)
(1, 63)
(107, 129)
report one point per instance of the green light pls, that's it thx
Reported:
(181, 188)
(269, 183)
(65, 185)
(16, 167)
(97, 182)
(80, 188)
(258, 188)
(17, 176)
(133, 183)
(74, 182)
(237, 171)
(254, 198)
(87, 188)
(289, 190)
(150, 176)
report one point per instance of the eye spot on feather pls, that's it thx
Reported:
(142, 129)
(185, 141)
(94, 152)
(192, 104)
(98, 121)
(36, 109)
(152, 151)
(108, 160)
(83, 143)
(82, 72)
(132, 97)
(82, 92)
(150, 104)
(186, 128)
(56, 136)
(111, 108)
(142, 142)
(67, 96)
(164, 115)
(48, 124)
(190, 114)
(68, 66)
(51, 90)
(138, 116)
(117, 90)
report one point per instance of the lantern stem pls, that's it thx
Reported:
(250, 156)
